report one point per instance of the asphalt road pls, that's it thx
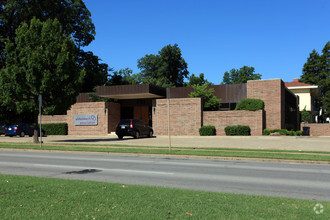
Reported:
(304, 181)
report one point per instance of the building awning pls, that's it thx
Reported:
(138, 91)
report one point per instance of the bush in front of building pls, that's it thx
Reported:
(250, 104)
(284, 132)
(56, 128)
(207, 131)
(236, 130)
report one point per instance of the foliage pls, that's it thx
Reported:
(282, 132)
(196, 80)
(207, 131)
(236, 130)
(166, 69)
(123, 77)
(55, 128)
(76, 23)
(211, 102)
(96, 72)
(305, 115)
(250, 104)
(316, 71)
(266, 131)
(40, 61)
(235, 76)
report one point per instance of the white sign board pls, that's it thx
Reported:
(85, 120)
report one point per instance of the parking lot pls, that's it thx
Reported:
(245, 142)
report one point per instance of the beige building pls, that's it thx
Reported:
(308, 96)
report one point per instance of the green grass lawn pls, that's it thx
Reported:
(46, 198)
(211, 152)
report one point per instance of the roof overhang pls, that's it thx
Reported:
(138, 91)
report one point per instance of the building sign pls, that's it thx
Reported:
(85, 120)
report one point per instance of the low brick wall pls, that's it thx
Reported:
(48, 119)
(317, 129)
(89, 108)
(185, 116)
(222, 119)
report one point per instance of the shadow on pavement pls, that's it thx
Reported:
(99, 139)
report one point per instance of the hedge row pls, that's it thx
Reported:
(250, 104)
(56, 128)
(241, 130)
(207, 131)
(282, 132)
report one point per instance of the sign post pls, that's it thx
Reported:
(40, 133)
(168, 117)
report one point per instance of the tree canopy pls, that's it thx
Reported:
(41, 60)
(316, 71)
(167, 68)
(76, 23)
(242, 75)
(210, 101)
(197, 80)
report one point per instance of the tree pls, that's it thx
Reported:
(167, 68)
(211, 102)
(242, 75)
(96, 73)
(197, 80)
(316, 71)
(41, 60)
(123, 77)
(76, 22)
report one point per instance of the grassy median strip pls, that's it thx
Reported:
(181, 151)
(24, 197)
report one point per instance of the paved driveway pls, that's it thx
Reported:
(248, 142)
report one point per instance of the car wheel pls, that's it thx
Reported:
(22, 134)
(137, 135)
(150, 134)
(120, 137)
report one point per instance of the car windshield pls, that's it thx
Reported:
(125, 122)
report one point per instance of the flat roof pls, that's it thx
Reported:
(137, 91)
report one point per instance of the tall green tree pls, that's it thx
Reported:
(316, 71)
(41, 60)
(167, 68)
(76, 22)
(123, 77)
(210, 101)
(242, 75)
(197, 80)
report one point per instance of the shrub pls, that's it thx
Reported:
(250, 104)
(298, 133)
(207, 131)
(237, 130)
(305, 116)
(266, 132)
(281, 131)
(56, 128)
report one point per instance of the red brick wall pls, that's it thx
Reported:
(222, 119)
(89, 108)
(114, 115)
(272, 93)
(317, 129)
(47, 119)
(185, 116)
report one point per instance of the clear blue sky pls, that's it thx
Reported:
(275, 37)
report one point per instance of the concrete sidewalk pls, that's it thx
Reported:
(245, 142)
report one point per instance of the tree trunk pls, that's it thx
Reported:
(35, 133)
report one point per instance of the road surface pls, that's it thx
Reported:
(304, 181)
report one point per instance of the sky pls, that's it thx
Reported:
(215, 36)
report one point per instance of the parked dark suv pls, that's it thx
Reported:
(133, 127)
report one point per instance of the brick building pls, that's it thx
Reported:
(151, 104)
